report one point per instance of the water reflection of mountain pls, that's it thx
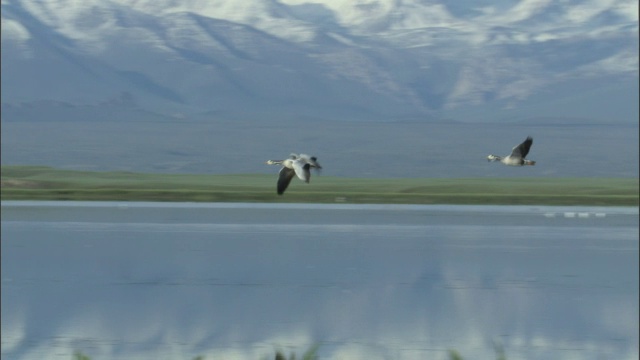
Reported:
(425, 281)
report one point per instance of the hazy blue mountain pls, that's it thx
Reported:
(319, 59)
(374, 88)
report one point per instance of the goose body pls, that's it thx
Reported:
(296, 165)
(517, 156)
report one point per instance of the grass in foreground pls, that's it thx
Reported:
(45, 183)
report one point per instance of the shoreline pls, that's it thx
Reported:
(46, 183)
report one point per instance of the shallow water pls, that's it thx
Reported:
(173, 281)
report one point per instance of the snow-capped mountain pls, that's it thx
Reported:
(333, 59)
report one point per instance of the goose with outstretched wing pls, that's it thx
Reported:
(296, 165)
(517, 156)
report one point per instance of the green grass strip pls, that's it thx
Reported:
(45, 183)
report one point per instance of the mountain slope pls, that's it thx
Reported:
(380, 60)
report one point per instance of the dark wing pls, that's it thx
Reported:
(284, 179)
(522, 150)
(314, 164)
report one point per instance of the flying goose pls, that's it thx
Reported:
(298, 165)
(518, 154)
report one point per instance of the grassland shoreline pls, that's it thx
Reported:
(46, 183)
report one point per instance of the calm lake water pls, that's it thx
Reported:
(239, 281)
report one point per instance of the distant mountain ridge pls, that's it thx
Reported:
(356, 60)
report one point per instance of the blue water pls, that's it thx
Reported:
(239, 281)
